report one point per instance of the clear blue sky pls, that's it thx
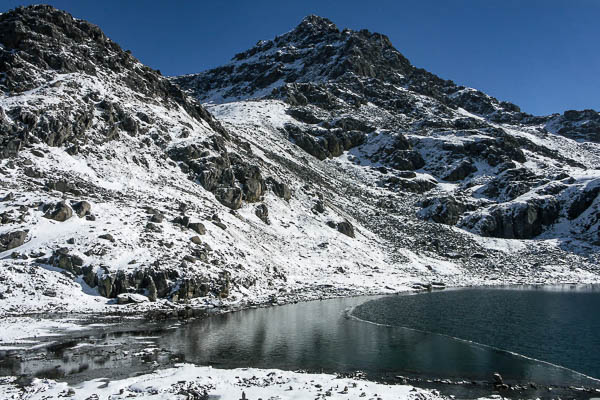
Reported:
(542, 55)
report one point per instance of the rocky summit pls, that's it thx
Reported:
(322, 163)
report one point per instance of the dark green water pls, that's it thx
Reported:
(560, 325)
(415, 338)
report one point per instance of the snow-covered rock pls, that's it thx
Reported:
(116, 182)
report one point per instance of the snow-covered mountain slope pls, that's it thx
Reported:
(471, 160)
(115, 183)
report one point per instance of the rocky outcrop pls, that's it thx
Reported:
(322, 143)
(582, 201)
(62, 259)
(60, 211)
(82, 208)
(461, 171)
(519, 220)
(444, 210)
(343, 227)
(262, 212)
(33, 53)
(12, 240)
(280, 189)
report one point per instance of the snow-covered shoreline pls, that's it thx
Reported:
(187, 381)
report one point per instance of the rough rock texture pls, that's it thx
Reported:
(11, 240)
(352, 94)
(60, 211)
(230, 202)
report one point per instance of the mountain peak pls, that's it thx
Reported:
(316, 23)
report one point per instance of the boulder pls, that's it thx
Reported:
(280, 189)
(11, 240)
(406, 160)
(518, 220)
(196, 240)
(59, 211)
(197, 227)
(107, 236)
(262, 212)
(444, 210)
(344, 227)
(129, 298)
(69, 262)
(582, 201)
(252, 182)
(461, 171)
(81, 208)
(229, 196)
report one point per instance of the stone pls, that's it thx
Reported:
(280, 189)
(59, 211)
(196, 240)
(69, 262)
(12, 240)
(498, 379)
(230, 197)
(81, 208)
(582, 202)
(444, 210)
(262, 212)
(157, 218)
(10, 196)
(346, 228)
(319, 207)
(151, 287)
(131, 298)
(406, 160)
(107, 236)
(251, 180)
(197, 227)
(460, 172)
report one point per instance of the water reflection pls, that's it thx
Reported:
(318, 336)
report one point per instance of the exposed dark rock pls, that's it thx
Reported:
(69, 262)
(461, 171)
(522, 220)
(407, 160)
(319, 207)
(107, 236)
(344, 227)
(12, 240)
(251, 180)
(196, 240)
(157, 218)
(280, 189)
(197, 227)
(582, 201)
(444, 210)
(262, 212)
(82, 208)
(59, 211)
(229, 196)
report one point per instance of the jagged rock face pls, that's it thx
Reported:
(579, 125)
(11, 240)
(32, 57)
(351, 92)
(82, 123)
(341, 131)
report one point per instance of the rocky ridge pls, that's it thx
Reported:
(332, 167)
(483, 164)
